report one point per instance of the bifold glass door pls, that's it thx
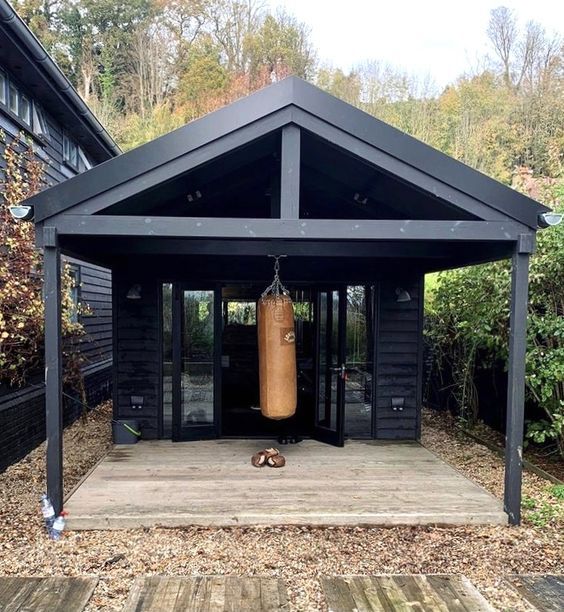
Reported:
(331, 369)
(345, 341)
(194, 365)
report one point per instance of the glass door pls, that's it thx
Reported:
(331, 368)
(195, 375)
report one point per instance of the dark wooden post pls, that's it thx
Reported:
(516, 378)
(290, 173)
(53, 367)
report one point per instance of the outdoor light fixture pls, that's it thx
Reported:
(136, 402)
(360, 198)
(134, 292)
(402, 295)
(194, 196)
(22, 213)
(548, 219)
(398, 404)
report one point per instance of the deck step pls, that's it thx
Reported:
(425, 593)
(209, 593)
(544, 592)
(50, 593)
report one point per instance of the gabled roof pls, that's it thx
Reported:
(289, 101)
(36, 69)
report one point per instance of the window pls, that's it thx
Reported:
(70, 151)
(14, 99)
(22, 106)
(40, 126)
(74, 156)
(25, 110)
(3, 83)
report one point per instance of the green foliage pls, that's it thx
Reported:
(21, 300)
(548, 509)
(467, 324)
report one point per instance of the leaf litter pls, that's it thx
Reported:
(298, 555)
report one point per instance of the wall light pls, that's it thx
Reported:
(548, 219)
(402, 295)
(134, 292)
(21, 213)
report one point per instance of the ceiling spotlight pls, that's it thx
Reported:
(360, 199)
(549, 219)
(21, 213)
(194, 196)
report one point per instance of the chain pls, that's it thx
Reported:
(276, 287)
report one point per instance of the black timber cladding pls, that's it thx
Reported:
(95, 296)
(137, 351)
(399, 329)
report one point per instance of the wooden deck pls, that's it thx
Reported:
(21, 594)
(431, 593)
(543, 592)
(207, 593)
(213, 483)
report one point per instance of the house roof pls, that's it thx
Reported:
(291, 101)
(25, 56)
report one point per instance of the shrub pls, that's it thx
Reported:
(468, 326)
(21, 300)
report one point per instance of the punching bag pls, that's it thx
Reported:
(277, 353)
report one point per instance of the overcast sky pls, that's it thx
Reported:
(437, 38)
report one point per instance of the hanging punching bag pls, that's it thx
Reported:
(277, 352)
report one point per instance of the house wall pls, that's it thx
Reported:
(22, 412)
(137, 351)
(138, 355)
(399, 360)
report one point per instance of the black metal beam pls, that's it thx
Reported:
(516, 386)
(302, 229)
(290, 173)
(53, 368)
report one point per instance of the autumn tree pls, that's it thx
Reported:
(21, 300)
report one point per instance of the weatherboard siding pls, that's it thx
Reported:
(22, 412)
(398, 361)
(137, 351)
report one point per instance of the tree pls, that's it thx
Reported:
(280, 47)
(21, 299)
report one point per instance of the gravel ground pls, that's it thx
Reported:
(299, 555)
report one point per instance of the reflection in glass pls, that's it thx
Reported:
(328, 358)
(167, 359)
(359, 347)
(197, 359)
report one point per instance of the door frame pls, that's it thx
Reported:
(336, 436)
(196, 432)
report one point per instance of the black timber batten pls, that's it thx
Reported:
(292, 101)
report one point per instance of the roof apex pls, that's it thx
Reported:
(273, 106)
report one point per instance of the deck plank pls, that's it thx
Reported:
(420, 593)
(544, 592)
(207, 593)
(364, 483)
(36, 594)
